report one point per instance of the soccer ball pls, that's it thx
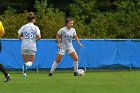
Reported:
(80, 72)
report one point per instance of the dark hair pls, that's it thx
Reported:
(68, 20)
(30, 17)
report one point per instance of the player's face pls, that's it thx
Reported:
(70, 24)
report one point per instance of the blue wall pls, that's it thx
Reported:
(96, 53)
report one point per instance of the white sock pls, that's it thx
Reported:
(54, 66)
(75, 66)
(24, 74)
(29, 63)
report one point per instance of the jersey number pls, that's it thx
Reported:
(29, 35)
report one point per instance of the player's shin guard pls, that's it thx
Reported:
(24, 68)
(3, 71)
(75, 66)
(54, 66)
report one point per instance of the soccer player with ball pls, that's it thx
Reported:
(66, 35)
(29, 34)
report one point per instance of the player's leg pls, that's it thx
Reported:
(7, 76)
(31, 60)
(24, 68)
(74, 55)
(55, 64)
(31, 57)
(28, 57)
(57, 61)
(2, 69)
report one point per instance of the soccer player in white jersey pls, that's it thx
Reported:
(66, 35)
(29, 34)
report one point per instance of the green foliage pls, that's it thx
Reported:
(12, 22)
(93, 18)
(83, 10)
(49, 20)
(19, 5)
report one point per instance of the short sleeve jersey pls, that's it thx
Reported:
(66, 37)
(29, 32)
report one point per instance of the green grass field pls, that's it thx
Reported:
(92, 82)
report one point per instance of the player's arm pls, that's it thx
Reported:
(58, 37)
(58, 40)
(2, 32)
(20, 32)
(19, 37)
(77, 39)
(38, 37)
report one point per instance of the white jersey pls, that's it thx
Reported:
(66, 37)
(29, 32)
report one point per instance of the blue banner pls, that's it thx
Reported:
(95, 53)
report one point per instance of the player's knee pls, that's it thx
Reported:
(76, 59)
(58, 61)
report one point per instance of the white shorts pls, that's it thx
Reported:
(28, 52)
(63, 51)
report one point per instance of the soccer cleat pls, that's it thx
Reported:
(24, 75)
(50, 74)
(8, 78)
(75, 74)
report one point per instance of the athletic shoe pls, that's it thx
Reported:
(50, 74)
(75, 74)
(8, 78)
(24, 75)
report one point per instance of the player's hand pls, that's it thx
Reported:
(81, 45)
(59, 46)
(21, 38)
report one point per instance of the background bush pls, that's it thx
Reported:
(93, 18)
